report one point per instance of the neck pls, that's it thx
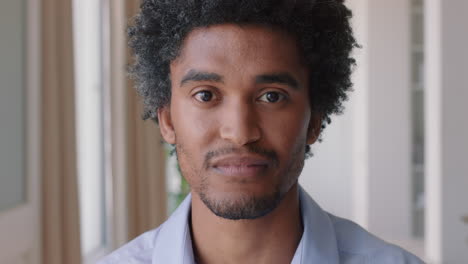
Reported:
(269, 239)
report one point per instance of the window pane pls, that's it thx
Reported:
(89, 115)
(417, 95)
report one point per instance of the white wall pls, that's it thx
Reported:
(362, 169)
(387, 55)
(447, 131)
(327, 176)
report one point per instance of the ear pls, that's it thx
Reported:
(314, 129)
(165, 124)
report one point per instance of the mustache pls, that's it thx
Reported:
(250, 149)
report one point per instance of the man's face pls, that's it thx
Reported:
(240, 117)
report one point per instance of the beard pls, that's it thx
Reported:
(249, 206)
(243, 207)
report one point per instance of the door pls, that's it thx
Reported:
(19, 132)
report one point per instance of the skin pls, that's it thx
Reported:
(240, 138)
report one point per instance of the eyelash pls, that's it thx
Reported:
(282, 96)
(213, 96)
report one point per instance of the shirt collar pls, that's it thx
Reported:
(318, 243)
(173, 243)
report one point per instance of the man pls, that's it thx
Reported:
(241, 88)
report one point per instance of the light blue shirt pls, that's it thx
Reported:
(326, 239)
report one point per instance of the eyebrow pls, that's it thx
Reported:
(280, 78)
(197, 76)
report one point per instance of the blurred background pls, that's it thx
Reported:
(81, 174)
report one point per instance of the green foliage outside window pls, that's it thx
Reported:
(178, 187)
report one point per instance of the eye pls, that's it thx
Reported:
(204, 96)
(272, 97)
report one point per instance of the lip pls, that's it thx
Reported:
(244, 166)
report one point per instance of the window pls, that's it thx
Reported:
(90, 127)
(417, 96)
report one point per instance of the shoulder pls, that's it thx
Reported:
(356, 245)
(137, 251)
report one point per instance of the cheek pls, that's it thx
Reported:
(286, 130)
(292, 141)
(191, 125)
(194, 131)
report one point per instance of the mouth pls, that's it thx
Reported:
(241, 166)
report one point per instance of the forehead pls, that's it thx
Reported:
(239, 49)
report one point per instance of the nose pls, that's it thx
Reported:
(240, 124)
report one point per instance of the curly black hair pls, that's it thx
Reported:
(321, 27)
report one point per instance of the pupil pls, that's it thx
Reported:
(272, 97)
(206, 96)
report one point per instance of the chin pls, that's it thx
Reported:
(241, 203)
